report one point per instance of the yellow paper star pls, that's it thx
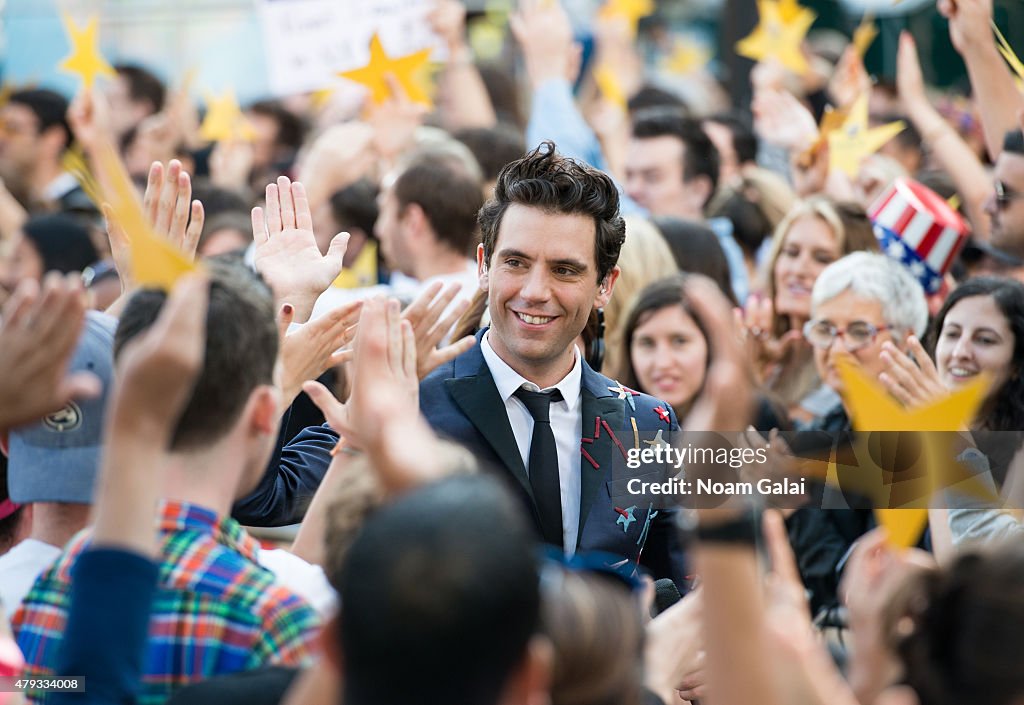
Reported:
(404, 69)
(779, 33)
(156, 263)
(872, 409)
(224, 120)
(854, 141)
(687, 58)
(632, 11)
(610, 87)
(789, 10)
(85, 59)
(865, 33)
(903, 526)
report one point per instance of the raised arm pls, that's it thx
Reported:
(953, 154)
(464, 98)
(992, 82)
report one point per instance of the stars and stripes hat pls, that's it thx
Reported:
(916, 227)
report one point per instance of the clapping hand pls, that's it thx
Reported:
(913, 381)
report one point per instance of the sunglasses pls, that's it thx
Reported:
(1005, 196)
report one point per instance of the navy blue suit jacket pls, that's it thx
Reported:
(460, 401)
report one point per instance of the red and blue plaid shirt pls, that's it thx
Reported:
(216, 610)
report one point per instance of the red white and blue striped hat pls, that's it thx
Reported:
(915, 226)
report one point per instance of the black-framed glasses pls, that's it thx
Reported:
(857, 335)
(1005, 196)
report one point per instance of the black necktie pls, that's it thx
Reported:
(543, 467)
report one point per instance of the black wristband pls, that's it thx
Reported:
(743, 531)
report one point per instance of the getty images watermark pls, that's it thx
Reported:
(665, 457)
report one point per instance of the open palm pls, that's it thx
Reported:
(286, 251)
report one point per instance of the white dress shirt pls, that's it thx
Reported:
(566, 424)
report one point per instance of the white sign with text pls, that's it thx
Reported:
(309, 41)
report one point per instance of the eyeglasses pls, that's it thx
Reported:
(1005, 196)
(857, 335)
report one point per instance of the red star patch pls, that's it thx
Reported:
(662, 413)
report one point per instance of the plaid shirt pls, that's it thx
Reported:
(216, 611)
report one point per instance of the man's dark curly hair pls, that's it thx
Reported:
(544, 179)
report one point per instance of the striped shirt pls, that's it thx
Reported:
(216, 611)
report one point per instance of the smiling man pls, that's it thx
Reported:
(524, 400)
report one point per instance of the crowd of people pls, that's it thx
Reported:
(428, 339)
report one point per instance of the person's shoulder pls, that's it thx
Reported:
(447, 370)
(439, 374)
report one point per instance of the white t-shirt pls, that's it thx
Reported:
(304, 579)
(19, 569)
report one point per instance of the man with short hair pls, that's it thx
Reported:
(216, 610)
(672, 166)
(134, 95)
(523, 400)
(427, 223)
(441, 602)
(672, 169)
(34, 133)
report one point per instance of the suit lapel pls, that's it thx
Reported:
(479, 400)
(603, 415)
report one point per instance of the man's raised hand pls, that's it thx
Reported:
(286, 251)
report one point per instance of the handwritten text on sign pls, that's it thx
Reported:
(309, 41)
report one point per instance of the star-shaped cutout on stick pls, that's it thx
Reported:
(224, 121)
(779, 33)
(632, 11)
(407, 70)
(851, 143)
(85, 60)
(864, 35)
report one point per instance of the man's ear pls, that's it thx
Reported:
(415, 221)
(482, 270)
(530, 682)
(263, 409)
(54, 140)
(698, 191)
(604, 291)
